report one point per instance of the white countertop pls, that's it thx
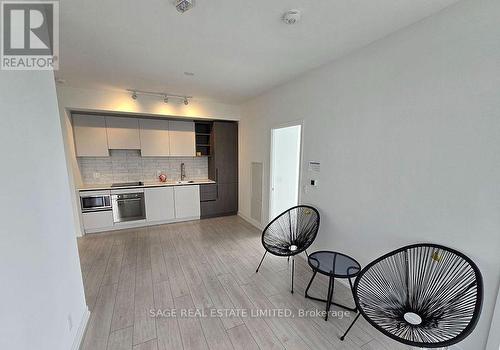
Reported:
(97, 187)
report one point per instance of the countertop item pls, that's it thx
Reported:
(96, 187)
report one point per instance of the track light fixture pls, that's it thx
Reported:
(166, 97)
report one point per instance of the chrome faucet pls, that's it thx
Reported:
(183, 171)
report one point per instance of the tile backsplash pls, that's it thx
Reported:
(128, 165)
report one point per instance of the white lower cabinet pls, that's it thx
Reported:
(97, 221)
(159, 204)
(187, 201)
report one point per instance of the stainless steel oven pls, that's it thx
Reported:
(95, 201)
(128, 205)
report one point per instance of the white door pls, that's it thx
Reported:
(123, 133)
(159, 204)
(155, 139)
(182, 138)
(90, 136)
(187, 202)
(285, 168)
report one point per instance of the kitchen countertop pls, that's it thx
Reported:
(97, 187)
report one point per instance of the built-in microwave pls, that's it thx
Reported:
(95, 202)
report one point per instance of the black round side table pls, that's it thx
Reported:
(333, 265)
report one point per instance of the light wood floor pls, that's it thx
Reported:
(205, 265)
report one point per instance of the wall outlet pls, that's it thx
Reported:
(97, 175)
(70, 322)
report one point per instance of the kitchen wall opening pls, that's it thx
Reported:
(285, 168)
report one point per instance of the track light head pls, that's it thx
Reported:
(134, 95)
(186, 101)
(165, 99)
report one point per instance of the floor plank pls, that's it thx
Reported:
(121, 339)
(96, 337)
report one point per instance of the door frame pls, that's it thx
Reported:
(271, 148)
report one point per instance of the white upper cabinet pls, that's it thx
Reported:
(90, 136)
(123, 133)
(182, 138)
(155, 141)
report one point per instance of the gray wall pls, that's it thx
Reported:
(41, 279)
(408, 134)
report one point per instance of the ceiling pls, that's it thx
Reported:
(237, 49)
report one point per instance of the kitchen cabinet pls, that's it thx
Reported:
(223, 169)
(155, 139)
(187, 201)
(224, 166)
(159, 204)
(97, 221)
(123, 133)
(90, 136)
(182, 138)
(223, 202)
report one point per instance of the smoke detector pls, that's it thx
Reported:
(291, 17)
(184, 5)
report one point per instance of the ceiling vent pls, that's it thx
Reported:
(291, 17)
(184, 5)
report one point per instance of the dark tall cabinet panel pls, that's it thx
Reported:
(223, 169)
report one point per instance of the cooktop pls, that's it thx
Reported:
(128, 184)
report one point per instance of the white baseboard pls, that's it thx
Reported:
(251, 221)
(140, 223)
(80, 332)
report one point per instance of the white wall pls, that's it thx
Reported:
(39, 263)
(494, 338)
(408, 134)
(70, 98)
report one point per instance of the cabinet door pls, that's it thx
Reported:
(155, 140)
(123, 133)
(187, 201)
(225, 143)
(90, 136)
(182, 138)
(228, 196)
(159, 204)
(97, 221)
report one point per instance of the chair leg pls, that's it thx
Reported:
(293, 270)
(348, 329)
(258, 267)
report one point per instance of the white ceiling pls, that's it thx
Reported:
(236, 48)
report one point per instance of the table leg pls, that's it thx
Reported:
(331, 287)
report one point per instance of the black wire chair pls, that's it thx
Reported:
(422, 295)
(291, 233)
